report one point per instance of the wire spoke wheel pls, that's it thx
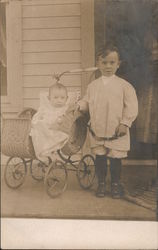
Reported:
(56, 179)
(15, 172)
(38, 169)
(86, 171)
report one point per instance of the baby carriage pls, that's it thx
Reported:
(17, 144)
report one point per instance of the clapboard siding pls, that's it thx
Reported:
(51, 43)
(49, 2)
(48, 69)
(51, 22)
(46, 81)
(51, 10)
(51, 34)
(35, 92)
(33, 103)
(10, 114)
(43, 46)
(52, 57)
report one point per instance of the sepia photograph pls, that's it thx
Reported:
(79, 109)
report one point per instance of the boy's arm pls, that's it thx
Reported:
(130, 110)
(83, 103)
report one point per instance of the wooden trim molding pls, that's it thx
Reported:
(87, 40)
(13, 101)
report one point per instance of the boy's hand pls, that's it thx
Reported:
(83, 106)
(72, 107)
(121, 130)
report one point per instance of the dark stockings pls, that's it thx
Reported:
(101, 168)
(115, 170)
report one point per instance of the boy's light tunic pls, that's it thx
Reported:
(111, 101)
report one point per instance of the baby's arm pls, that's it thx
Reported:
(38, 117)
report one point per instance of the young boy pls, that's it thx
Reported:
(112, 104)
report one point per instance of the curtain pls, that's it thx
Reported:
(147, 121)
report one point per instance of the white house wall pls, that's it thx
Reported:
(51, 42)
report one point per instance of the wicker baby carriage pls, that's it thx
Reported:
(17, 144)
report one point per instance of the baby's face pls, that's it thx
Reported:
(109, 65)
(58, 97)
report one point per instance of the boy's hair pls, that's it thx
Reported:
(57, 86)
(106, 49)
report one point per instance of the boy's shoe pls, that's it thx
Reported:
(117, 190)
(101, 190)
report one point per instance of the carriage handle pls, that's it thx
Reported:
(57, 76)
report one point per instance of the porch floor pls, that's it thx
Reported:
(31, 199)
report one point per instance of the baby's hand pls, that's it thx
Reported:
(121, 130)
(57, 123)
(54, 126)
(60, 119)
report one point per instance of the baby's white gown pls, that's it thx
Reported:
(45, 138)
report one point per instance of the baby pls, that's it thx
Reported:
(45, 132)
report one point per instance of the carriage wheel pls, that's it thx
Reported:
(56, 179)
(15, 172)
(86, 171)
(38, 169)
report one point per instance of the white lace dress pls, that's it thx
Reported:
(46, 137)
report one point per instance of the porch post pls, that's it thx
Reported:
(87, 50)
(87, 40)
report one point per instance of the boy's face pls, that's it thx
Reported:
(58, 97)
(109, 64)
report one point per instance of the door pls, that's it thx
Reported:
(132, 27)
